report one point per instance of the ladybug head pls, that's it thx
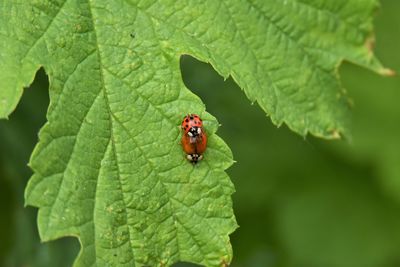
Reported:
(194, 158)
(194, 131)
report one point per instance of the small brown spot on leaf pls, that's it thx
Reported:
(224, 263)
(387, 72)
(335, 134)
(370, 43)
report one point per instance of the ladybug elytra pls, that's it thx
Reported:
(194, 138)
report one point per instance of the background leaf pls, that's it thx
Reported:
(20, 244)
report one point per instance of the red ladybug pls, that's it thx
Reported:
(192, 125)
(194, 138)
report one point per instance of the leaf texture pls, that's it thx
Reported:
(108, 167)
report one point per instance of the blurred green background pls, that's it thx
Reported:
(299, 202)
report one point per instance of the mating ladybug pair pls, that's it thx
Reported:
(194, 138)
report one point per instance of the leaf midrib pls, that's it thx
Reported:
(112, 117)
(105, 96)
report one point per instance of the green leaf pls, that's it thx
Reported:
(108, 167)
(283, 53)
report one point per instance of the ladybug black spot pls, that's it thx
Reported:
(186, 120)
(191, 118)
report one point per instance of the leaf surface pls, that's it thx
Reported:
(108, 167)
